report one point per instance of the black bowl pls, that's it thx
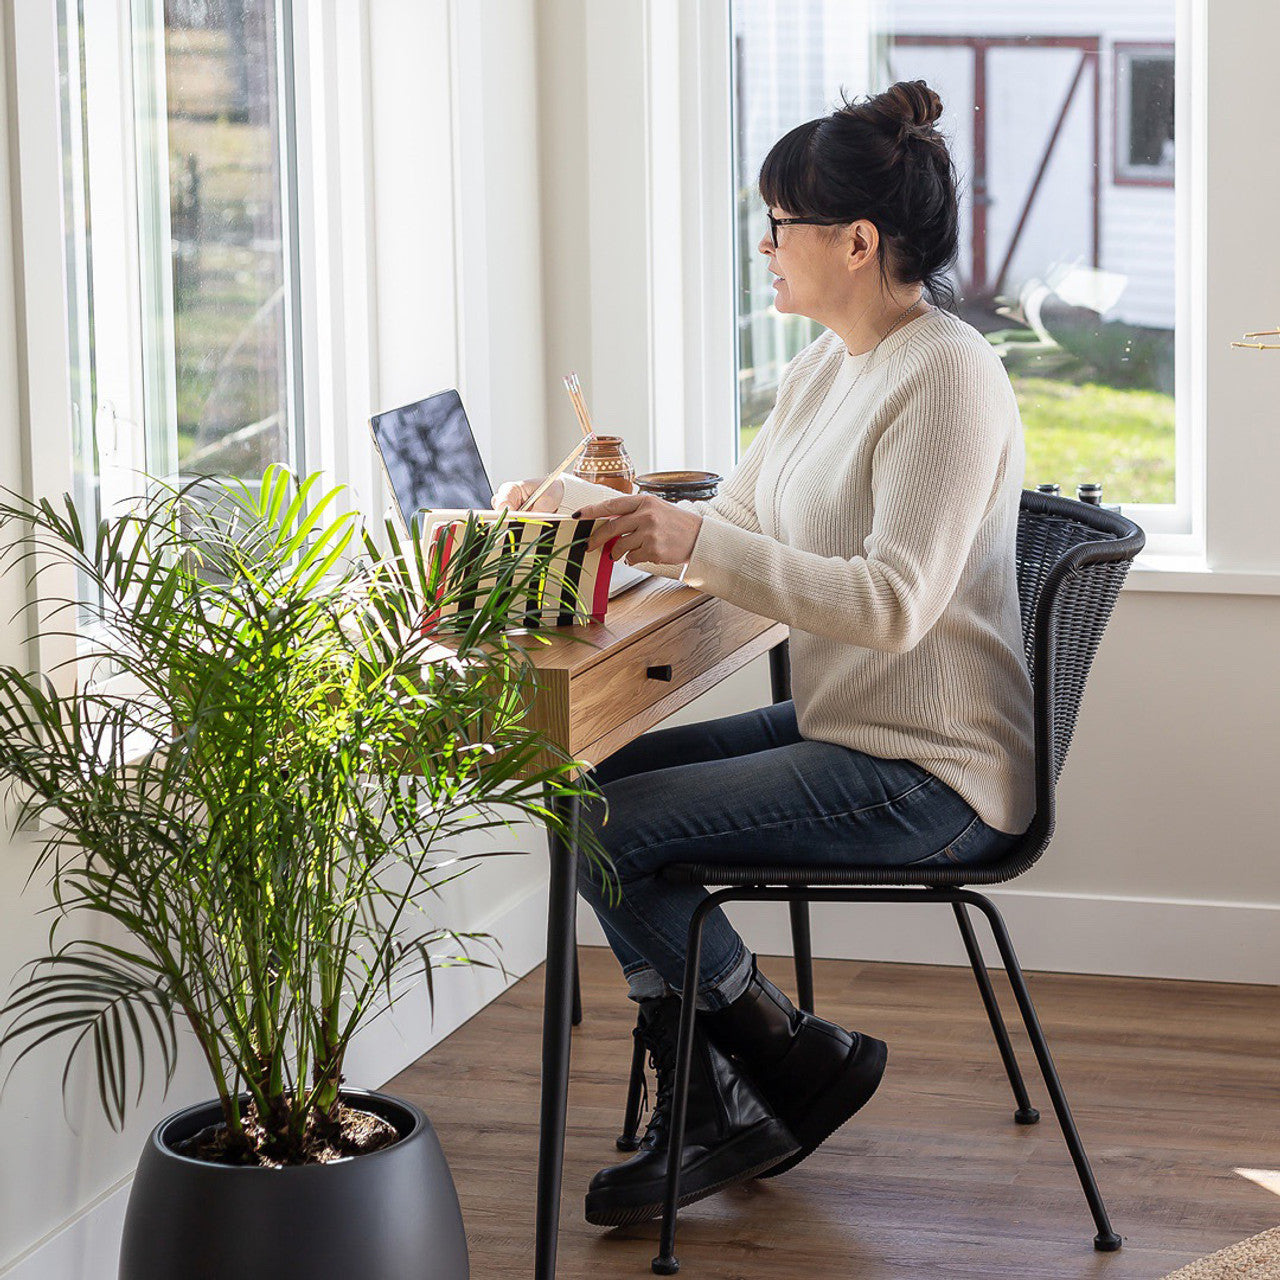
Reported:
(674, 485)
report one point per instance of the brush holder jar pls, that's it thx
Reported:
(605, 461)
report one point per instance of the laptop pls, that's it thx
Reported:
(432, 463)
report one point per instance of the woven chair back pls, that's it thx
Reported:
(1072, 562)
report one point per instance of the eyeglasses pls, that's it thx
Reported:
(775, 223)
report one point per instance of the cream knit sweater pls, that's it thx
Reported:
(875, 514)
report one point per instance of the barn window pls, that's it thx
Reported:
(1144, 114)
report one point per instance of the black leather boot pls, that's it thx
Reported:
(730, 1133)
(813, 1074)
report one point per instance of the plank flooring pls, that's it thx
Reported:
(1175, 1087)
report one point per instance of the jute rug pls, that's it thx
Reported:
(1257, 1258)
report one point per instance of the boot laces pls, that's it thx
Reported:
(662, 1043)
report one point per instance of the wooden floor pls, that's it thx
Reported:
(1175, 1087)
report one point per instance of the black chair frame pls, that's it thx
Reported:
(1072, 561)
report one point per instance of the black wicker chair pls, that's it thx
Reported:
(1072, 561)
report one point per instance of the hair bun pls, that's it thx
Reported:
(912, 102)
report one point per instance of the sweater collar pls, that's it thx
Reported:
(890, 343)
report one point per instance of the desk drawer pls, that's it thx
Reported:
(620, 687)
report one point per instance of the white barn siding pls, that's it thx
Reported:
(1025, 88)
(1122, 19)
(1138, 242)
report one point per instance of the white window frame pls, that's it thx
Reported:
(1223, 533)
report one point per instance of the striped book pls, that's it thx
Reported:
(571, 584)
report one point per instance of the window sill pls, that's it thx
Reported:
(1168, 573)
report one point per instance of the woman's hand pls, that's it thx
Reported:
(515, 493)
(647, 528)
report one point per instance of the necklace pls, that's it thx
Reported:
(901, 314)
(857, 377)
(797, 458)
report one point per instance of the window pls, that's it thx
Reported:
(1070, 276)
(201, 175)
(180, 238)
(79, 263)
(228, 91)
(1144, 114)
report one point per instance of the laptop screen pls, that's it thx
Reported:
(430, 456)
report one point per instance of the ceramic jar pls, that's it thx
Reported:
(605, 461)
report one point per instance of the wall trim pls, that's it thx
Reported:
(87, 1245)
(1104, 934)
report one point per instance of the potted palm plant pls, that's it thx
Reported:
(251, 816)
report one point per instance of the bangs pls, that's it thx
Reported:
(789, 177)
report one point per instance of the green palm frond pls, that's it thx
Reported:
(262, 826)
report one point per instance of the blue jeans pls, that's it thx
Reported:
(749, 789)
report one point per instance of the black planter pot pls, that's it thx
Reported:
(389, 1215)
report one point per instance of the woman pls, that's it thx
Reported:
(876, 515)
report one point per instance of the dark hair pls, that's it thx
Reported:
(879, 159)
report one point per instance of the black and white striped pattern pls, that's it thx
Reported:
(567, 588)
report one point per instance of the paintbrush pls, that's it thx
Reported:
(574, 387)
(579, 407)
(565, 463)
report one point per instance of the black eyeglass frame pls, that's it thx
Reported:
(775, 223)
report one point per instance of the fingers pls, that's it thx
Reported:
(618, 527)
(510, 494)
(616, 517)
(626, 544)
(515, 493)
(623, 505)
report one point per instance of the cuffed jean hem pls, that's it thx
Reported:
(644, 982)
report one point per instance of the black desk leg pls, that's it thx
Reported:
(577, 991)
(780, 671)
(556, 1021)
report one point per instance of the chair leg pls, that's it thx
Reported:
(666, 1263)
(1026, 1113)
(802, 949)
(627, 1140)
(576, 1017)
(1106, 1241)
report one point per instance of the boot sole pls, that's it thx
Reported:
(626, 1215)
(849, 1094)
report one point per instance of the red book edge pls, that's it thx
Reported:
(600, 601)
(445, 533)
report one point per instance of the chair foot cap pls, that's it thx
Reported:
(661, 1266)
(627, 1144)
(1106, 1242)
(1028, 1116)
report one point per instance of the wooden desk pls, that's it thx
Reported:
(661, 645)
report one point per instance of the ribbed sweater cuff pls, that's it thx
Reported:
(582, 493)
(719, 555)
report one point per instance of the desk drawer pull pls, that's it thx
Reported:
(659, 673)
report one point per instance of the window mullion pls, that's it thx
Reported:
(113, 276)
(43, 267)
(155, 266)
